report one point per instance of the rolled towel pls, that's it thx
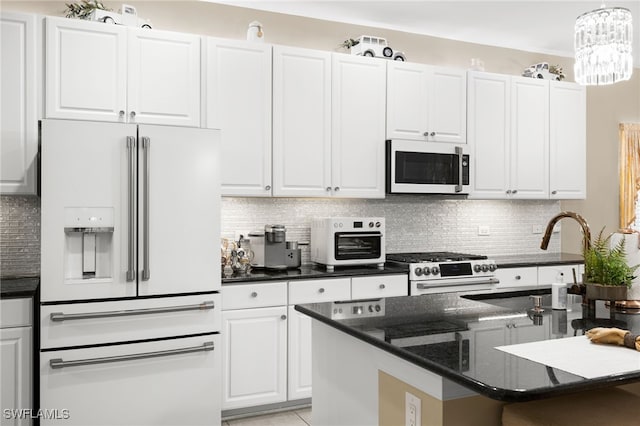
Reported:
(614, 336)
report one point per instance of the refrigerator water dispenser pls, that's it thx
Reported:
(88, 242)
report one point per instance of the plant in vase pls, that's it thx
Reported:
(607, 275)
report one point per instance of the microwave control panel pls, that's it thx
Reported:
(357, 309)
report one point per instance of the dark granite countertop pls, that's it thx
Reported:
(309, 272)
(411, 324)
(18, 287)
(537, 259)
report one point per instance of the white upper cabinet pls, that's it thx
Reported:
(19, 110)
(529, 138)
(358, 126)
(102, 72)
(488, 133)
(238, 101)
(426, 103)
(567, 143)
(301, 122)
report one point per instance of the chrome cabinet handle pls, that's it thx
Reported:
(337, 188)
(425, 134)
(132, 114)
(508, 191)
(60, 363)
(382, 286)
(283, 317)
(518, 277)
(146, 146)
(268, 187)
(254, 294)
(321, 290)
(432, 134)
(121, 113)
(515, 191)
(60, 316)
(458, 151)
(328, 188)
(554, 192)
(131, 219)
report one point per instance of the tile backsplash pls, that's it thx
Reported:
(19, 236)
(413, 223)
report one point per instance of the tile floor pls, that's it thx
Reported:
(301, 417)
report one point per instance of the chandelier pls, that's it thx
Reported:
(603, 46)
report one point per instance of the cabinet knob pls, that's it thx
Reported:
(425, 134)
(337, 188)
(328, 189)
(432, 134)
(515, 191)
(268, 187)
(321, 290)
(382, 286)
(283, 317)
(254, 294)
(554, 192)
(121, 113)
(132, 114)
(518, 277)
(508, 191)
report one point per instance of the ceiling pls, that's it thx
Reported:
(542, 26)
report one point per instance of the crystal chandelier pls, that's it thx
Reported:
(603, 46)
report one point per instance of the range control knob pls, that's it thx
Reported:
(485, 268)
(378, 224)
(371, 224)
(418, 271)
(477, 267)
(426, 271)
(378, 308)
(435, 270)
(492, 267)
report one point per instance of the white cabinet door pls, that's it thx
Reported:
(162, 382)
(301, 122)
(517, 277)
(529, 138)
(548, 275)
(358, 126)
(299, 361)
(426, 103)
(238, 101)
(254, 357)
(86, 70)
(407, 105)
(567, 144)
(19, 97)
(489, 101)
(164, 78)
(15, 369)
(176, 252)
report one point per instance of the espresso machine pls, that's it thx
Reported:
(271, 250)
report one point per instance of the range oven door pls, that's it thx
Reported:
(466, 285)
(358, 246)
(427, 168)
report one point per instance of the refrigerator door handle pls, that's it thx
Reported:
(131, 148)
(60, 316)
(146, 273)
(59, 363)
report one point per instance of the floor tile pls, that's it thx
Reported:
(305, 414)
(288, 418)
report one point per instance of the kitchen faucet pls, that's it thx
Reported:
(586, 232)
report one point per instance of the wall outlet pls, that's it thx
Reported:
(413, 410)
(536, 229)
(484, 230)
(237, 234)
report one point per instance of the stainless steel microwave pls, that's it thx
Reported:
(416, 167)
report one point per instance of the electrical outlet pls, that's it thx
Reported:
(484, 230)
(413, 410)
(237, 234)
(536, 229)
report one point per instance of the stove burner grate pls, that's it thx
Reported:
(437, 256)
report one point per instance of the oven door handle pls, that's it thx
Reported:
(358, 235)
(460, 174)
(422, 286)
(60, 363)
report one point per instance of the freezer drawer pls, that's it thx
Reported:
(128, 320)
(146, 384)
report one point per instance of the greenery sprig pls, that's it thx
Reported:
(607, 266)
(83, 9)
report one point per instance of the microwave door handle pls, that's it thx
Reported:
(459, 154)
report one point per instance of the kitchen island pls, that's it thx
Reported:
(442, 348)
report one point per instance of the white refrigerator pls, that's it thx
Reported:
(130, 274)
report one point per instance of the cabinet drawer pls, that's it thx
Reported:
(127, 320)
(315, 291)
(517, 277)
(258, 295)
(549, 274)
(16, 312)
(379, 286)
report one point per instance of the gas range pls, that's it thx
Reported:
(439, 272)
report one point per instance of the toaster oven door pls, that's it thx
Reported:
(358, 245)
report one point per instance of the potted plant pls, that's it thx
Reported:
(607, 275)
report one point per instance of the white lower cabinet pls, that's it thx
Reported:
(517, 277)
(146, 380)
(548, 275)
(533, 276)
(299, 361)
(16, 359)
(254, 359)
